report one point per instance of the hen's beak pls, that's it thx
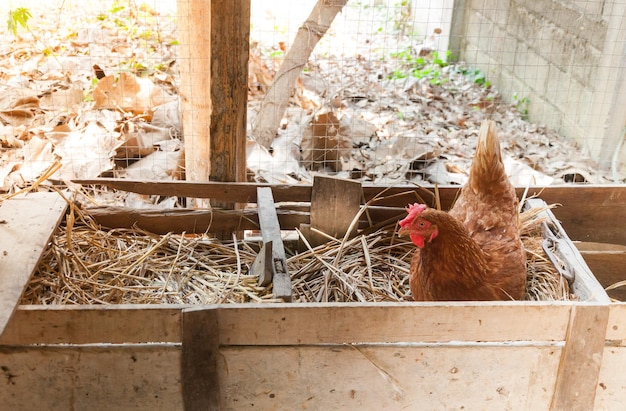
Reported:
(403, 232)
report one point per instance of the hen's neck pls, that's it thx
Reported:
(455, 251)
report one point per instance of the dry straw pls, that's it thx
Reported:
(88, 265)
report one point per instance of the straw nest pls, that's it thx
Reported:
(87, 265)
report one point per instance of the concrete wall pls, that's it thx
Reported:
(566, 57)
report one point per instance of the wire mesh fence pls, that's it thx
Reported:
(392, 93)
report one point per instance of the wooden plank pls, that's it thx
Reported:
(194, 58)
(608, 264)
(334, 204)
(128, 377)
(616, 328)
(93, 324)
(189, 221)
(27, 222)
(232, 192)
(599, 218)
(611, 389)
(319, 323)
(393, 377)
(201, 387)
(270, 231)
(230, 42)
(581, 359)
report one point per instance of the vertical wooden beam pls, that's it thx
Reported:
(230, 43)
(194, 59)
(579, 369)
(200, 348)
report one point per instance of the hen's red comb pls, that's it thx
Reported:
(414, 210)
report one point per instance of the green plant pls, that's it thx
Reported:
(522, 105)
(18, 17)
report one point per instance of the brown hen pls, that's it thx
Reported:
(473, 252)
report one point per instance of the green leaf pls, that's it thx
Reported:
(18, 17)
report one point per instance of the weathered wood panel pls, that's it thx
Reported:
(588, 213)
(296, 324)
(27, 222)
(611, 387)
(579, 368)
(97, 324)
(393, 377)
(129, 377)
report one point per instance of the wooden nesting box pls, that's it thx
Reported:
(475, 355)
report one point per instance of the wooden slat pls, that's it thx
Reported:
(95, 324)
(611, 390)
(189, 221)
(231, 192)
(199, 367)
(616, 328)
(334, 204)
(401, 377)
(308, 323)
(27, 222)
(129, 377)
(581, 359)
(588, 212)
(608, 264)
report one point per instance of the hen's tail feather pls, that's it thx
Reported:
(487, 166)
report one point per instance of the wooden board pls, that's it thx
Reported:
(334, 204)
(608, 263)
(199, 362)
(318, 323)
(591, 213)
(93, 324)
(107, 377)
(611, 387)
(581, 359)
(189, 221)
(27, 222)
(391, 377)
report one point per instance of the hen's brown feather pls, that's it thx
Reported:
(478, 253)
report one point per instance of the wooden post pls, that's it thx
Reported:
(214, 48)
(230, 51)
(194, 58)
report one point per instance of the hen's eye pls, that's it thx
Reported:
(421, 224)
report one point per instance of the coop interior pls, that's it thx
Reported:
(185, 154)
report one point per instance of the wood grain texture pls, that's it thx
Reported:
(93, 324)
(317, 323)
(590, 213)
(201, 386)
(27, 222)
(230, 32)
(393, 377)
(334, 204)
(104, 377)
(194, 60)
(581, 359)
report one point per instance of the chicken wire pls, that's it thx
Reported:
(393, 93)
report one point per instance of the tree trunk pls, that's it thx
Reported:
(277, 98)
